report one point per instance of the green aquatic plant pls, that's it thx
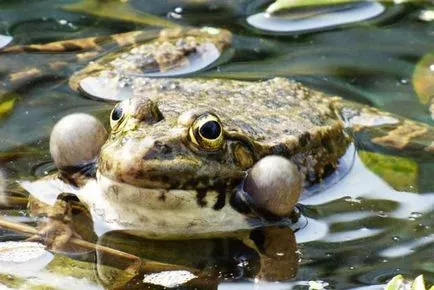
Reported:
(399, 172)
(400, 283)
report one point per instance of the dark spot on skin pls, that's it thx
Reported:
(328, 170)
(165, 179)
(194, 183)
(69, 46)
(107, 166)
(304, 139)
(200, 197)
(192, 224)
(162, 196)
(162, 224)
(139, 174)
(115, 189)
(221, 201)
(281, 149)
(30, 49)
(68, 197)
(327, 143)
(143, 219)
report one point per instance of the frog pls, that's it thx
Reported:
(181, 151)
(279, 117)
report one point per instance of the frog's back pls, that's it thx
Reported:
(280, 116)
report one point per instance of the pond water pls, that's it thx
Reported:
(360, 227)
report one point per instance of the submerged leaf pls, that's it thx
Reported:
(401, 173)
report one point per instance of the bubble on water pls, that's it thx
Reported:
(382, 214)
(396, 238)
(426, 15)
(317, 285)
(169, 279)
(174, 15)
(414, 215)
(243, 263)
(352, 200)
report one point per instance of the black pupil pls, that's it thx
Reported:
(117, 113)
(210, 130)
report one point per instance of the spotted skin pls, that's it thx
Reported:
(153, 171)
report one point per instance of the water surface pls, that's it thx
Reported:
(373, 224)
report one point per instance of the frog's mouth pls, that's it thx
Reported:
(174, 199)
(179, 173)
(157, 181)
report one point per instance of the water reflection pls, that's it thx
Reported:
(268, 254)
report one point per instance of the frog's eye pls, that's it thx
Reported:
(116, 116)
(206, 132)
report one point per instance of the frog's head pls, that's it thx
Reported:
(174, 149)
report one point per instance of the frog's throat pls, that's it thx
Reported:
(163, 213)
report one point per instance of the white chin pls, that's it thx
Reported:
(159, 213)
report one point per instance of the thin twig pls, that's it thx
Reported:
(145, 264)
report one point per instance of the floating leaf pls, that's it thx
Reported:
(401, 173)
(400, 283)
(315, 18)
(423, 78)
(282, 5)
(4, 40)
(418, 283)
(395, 283)
(119, 11)
(6, 106)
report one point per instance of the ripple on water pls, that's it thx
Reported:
(43, 169)
(277, 23)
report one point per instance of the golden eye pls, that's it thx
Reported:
(116, 116)
(206, 132)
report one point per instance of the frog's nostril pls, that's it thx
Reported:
(157, 150)
(163, 148)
